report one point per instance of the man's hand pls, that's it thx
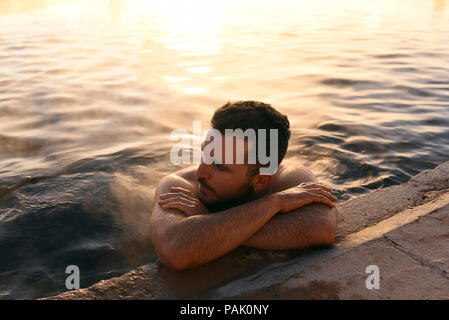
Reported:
(184, 200)
(304, 194)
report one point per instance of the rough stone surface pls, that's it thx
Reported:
(423, 264)
(344, 277)
(427, 240)
(367, 210)
(400, 219)
(413, 263)
(137, 284)
(437, 178)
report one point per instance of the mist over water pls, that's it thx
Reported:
(91, 90)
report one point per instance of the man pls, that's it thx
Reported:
(203, 213)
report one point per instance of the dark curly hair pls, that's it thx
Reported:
(253, 115)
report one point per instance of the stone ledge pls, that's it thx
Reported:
(368, 209)
(343, 277)
(386, 229)
(413, 261)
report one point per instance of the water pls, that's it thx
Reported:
(91, 90)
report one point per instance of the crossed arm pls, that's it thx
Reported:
(278, 221)
(311, 225)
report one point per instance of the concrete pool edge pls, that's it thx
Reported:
(427, 191)
(412, 262)
(340, 272)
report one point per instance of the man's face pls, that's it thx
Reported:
(219, 183)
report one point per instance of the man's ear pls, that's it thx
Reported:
(261, 181)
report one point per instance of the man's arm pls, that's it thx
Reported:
(311, 225)
(183, 241)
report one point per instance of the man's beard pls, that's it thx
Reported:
(227, 204)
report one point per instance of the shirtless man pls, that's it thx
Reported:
(205, 212)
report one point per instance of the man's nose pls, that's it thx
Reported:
(203, 171)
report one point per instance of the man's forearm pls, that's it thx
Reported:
(199, 239)
(307, 226)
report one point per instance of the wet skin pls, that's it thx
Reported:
(203, 212)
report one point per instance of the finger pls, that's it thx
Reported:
(179, 189)
(314, 185)
(167, 195)
(311, 197)
(324, 200)
(323, 193)
(176, 199)
(176, 205)
(174, 194)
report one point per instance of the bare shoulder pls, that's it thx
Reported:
(290, 174)
(177, 179)
(184, 178)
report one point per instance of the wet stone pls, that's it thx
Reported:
(427, 239)
(344, 277)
